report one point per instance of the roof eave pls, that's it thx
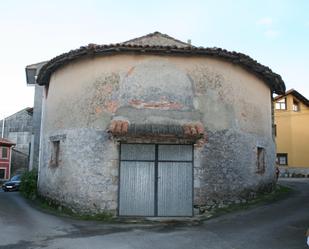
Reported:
(273, 80)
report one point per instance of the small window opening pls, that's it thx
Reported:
(282, 158)
(4, 152)
(281, 104)
(54, 161)
(260, 160)
(2, 173)
(295, 105)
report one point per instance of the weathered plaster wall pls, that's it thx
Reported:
(83, 97)
(17, 128)
(36, 125)
(19, 163)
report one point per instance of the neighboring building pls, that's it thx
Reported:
(5, 158)
(155, 127)
(18, 129)
(292, 132)
(31, 74)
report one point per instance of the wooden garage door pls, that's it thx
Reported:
(155, 180)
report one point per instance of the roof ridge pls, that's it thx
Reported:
(22, 110)
(153, 34)
(296, 94)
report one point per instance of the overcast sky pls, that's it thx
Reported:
(273, 32)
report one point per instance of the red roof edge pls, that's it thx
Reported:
(4, 141)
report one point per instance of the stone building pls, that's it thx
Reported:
(17, 128)
(155, 127)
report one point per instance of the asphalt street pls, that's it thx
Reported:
(281, 224)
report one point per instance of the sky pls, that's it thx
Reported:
(273, 32)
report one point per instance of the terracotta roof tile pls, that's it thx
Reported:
(119, 127)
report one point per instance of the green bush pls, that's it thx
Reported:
(28, 185)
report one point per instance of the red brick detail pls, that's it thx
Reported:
(193, 130)
(186, 130)
(107, 89)
(119, 127)
(199, 128)
(98, 109)
(111, 106)
(125, 127)
(130, 71)
(135, 102)
(162, 105)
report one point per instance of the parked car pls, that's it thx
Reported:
(13, 184)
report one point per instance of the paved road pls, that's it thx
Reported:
(279, 225)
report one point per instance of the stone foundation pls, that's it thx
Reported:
(242, 198)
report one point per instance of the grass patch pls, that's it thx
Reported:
(28, 188)
(279, 193)
(28, 184)
(60, 210)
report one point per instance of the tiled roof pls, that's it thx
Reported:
(156, 39)
(296, 94)
(160, 44)
(4, 141)
(124, 128)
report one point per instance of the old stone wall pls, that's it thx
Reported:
(225, 169)
(83, 97)
(19, 162)
(87, 175)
